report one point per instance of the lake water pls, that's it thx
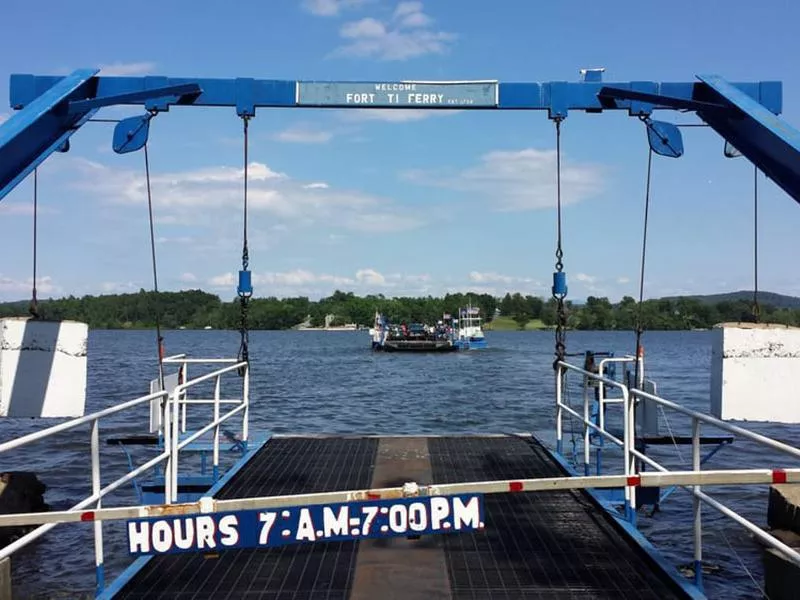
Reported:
(333, 382)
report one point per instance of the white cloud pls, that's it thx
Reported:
(517, 180)
(370, 276)
(213, 197)
(304, 135)
(188, 277)
(301, 281)
(394, 115)
(116, 287)
(408, 34)
(584, 278)
(15, 287)
(24, 209)
(623, 280)
(330, 8)
(122, 69)
(499, 284)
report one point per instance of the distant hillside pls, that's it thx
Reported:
(765, 298)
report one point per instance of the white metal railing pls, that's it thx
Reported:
(184, 361)
(169, 456)
(630, 454)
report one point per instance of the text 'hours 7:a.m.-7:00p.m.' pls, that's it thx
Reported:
(304, 524)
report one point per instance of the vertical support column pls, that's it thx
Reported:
(215, 468)
(559, 411)
(98, 525)
(698, 527)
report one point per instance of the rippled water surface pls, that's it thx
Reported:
(333, 382)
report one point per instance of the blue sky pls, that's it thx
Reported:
(400, 202)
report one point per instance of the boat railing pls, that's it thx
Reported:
(629, 399)
(172, 445)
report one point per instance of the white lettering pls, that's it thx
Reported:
(351, 98)
(305, 526)
(334, 524)
(395, 87)
(398, 518)
(466, 515)
(205, 532)
(370, 512)
(228, 528)
(139, 536)
(440, 509)
(425, 98)
(184, 533)
(417, 516)
(392, 98)
(162, 536)
(268, 520)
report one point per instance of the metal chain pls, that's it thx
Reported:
(244, 355)
(561, 313)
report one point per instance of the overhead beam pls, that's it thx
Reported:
(53, 107)
(557, 97)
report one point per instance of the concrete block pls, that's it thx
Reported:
(42, 368)
(754, 367)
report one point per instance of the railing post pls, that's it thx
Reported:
(586, 447)
(246, 400)
(98, 525)
(215, 469)
(176, 436)
(166, 425)
(627, 455)
(185, 370)
(698, 527)
(559, 411)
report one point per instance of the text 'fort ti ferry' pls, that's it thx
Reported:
(447, 335)
(225, 512)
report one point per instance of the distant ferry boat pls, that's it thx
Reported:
(468, 329)
(448, 335)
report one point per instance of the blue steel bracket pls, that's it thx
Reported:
(173, 94)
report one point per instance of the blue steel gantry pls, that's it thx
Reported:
(52, 108)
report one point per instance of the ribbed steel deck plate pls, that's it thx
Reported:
(536, 545)
(549, 545)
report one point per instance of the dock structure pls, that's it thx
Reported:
(559, 544)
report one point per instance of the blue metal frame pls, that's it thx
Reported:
(53, 108)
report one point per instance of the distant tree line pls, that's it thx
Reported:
(195, 309)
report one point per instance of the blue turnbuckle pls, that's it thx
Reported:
(245, 288)
(559, 284)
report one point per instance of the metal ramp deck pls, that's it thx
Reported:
(553, 545)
